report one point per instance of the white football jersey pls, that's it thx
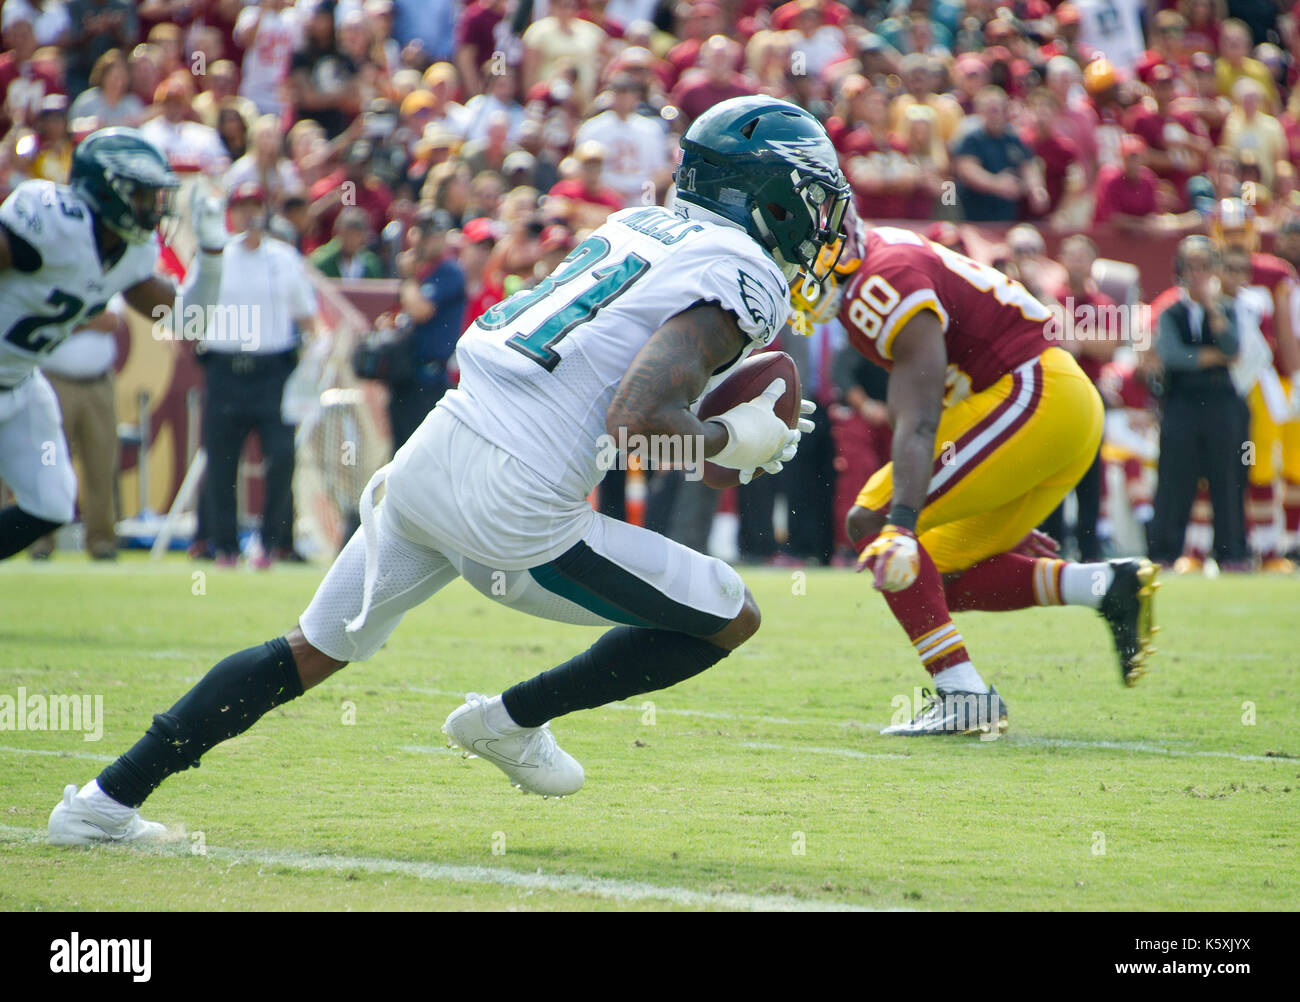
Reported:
(539, 370)
(38, 309)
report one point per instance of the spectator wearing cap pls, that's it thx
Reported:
(267, 304)
(323, 82)
(433, 296)
(1250, 128)
(441, 82)
(188, 146)
(265, 163)
(636, 145)
(920, 77)
(346, 255)
(970, 75)
(714, 80)
(98, 26)
(563, 37)
(477, 239)
(1177, 141)
(995, 171)
(46, 153)
(108, 99)
(1235, 63)
(354, 183)
(583, 199)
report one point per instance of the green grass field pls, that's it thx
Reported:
(760, 784)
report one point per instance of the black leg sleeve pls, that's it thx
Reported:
(626, 661)
(227, 701)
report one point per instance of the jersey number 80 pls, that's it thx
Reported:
(876, 299)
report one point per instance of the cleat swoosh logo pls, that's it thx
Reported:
(483, 746)
(107, 834)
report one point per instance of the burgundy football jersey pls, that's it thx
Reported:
(991, 324)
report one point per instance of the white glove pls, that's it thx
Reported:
(208, 220)
(805, 426)
(755, 435)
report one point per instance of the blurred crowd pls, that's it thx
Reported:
(465, 148)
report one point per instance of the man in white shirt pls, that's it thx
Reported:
(636, 163)
(266, 303)
(188, 146)
(1113, 28)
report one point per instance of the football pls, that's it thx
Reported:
(750, 378)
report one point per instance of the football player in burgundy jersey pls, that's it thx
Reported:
(992, 425)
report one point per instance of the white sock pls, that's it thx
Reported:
(1085, 584)
(101, 802)
(960, 678)
(498, 717)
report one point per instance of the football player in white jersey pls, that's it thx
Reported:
(65, 250)
(620, 340)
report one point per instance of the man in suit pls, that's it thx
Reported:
(1201, 433)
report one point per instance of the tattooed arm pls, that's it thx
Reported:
(670, 372)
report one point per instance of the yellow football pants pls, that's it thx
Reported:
(1004, 459)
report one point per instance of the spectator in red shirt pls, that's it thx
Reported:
(1167, 45)
(874, 162)
(17, 71)
(352, 184)
(1050, 143)
(1080, 296)
(1205, 103)
(716, 79)
(1177, 144)
(476, 39)
(695, 22)
(582, 201)
(1126, 194)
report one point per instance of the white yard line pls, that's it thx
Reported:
(1140, 746)
(602, 887)
(4, 749)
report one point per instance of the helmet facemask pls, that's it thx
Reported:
(148, 206)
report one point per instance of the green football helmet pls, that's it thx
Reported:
(125, 180)
(769, 166)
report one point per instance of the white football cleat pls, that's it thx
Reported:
(77, 821)
(529, 757)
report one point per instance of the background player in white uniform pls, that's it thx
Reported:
(65, 250)
(625, 335)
